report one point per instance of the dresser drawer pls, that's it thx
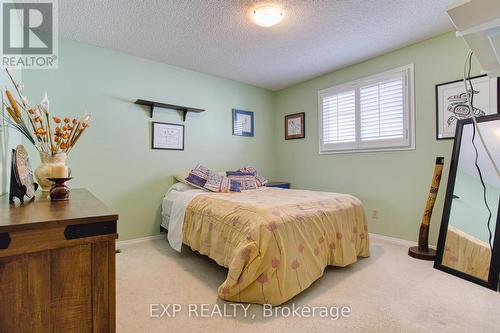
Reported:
(35, 240)
(76, 231)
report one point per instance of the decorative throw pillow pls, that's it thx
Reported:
(247, 180)
(218, 183)
(261, 181)
(198, 176)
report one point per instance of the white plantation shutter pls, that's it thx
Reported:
(373, 113)
(382, 111)
(339, 118)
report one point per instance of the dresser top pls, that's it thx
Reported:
(82, 207)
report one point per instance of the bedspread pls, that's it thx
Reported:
(467, 254)
(275, 242)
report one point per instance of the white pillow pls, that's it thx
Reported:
(181, 187)
(181, 177)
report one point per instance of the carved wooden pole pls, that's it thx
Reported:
(422, 251)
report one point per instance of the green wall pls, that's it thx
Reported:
(468, 211)
(114, 160)
(9, 138)
(396, 183)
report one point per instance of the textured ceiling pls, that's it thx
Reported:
(217, 36)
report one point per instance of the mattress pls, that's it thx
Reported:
(274, 242)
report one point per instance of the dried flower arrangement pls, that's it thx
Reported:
(35, 124)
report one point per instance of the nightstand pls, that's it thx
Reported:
(278, 184)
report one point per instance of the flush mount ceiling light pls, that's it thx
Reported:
(267, 16)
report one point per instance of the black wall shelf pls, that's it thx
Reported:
(183, 109)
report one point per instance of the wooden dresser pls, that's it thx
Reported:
(57, 265)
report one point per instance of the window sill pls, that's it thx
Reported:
(373, 150)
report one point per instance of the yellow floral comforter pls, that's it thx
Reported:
(275, 242)
(467, 254)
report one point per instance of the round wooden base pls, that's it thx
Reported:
(424, 255)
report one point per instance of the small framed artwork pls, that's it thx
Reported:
(451, 103)
(295, 126)
(168, 136)
(242, 123)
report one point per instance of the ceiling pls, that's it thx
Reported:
(218, 37)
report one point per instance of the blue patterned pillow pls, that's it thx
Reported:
(247, 180)
(219, 183)
(261, 180)
(198, 176)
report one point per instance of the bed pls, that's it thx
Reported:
(466, 253)
(275, 242)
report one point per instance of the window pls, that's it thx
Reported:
(375, 113)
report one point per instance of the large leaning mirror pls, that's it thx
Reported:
(469, 239)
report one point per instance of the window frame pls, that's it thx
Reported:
(375, 145)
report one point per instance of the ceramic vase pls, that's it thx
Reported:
(44, 170)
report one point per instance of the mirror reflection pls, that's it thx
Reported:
(469, 239)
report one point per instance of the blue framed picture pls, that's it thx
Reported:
(242, 123)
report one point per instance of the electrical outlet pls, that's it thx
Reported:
(375, 213)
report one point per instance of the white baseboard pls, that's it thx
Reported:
(393, 240)
(129, 242)
(396, 241)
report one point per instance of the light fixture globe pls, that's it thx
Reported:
(267, 16)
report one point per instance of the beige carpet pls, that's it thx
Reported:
(388, 292)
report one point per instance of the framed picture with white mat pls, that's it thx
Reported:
(452, 105)
(168, 136)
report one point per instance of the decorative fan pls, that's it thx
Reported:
(23, 171)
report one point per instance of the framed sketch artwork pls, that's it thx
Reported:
(451, 103)
(295, 126)
(168, 136)
(242, 123)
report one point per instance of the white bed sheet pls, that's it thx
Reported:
(169, 198)
(173, 211)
